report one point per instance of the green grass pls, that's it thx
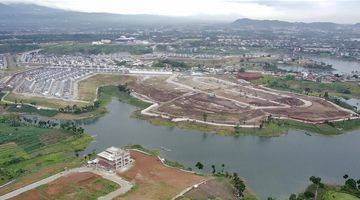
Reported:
(106, 93)
(32, 110)
(141, 148)
(26, 149)
(105, 96)
(174, 164)
(334, 195)
(84, 193)
(340, 89)
(329, 192)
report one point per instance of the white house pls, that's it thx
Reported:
(114, 158)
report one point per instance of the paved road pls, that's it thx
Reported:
(124, 185)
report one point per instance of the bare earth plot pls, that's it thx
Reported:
(154, 180)
(226, 102)
(82, 185)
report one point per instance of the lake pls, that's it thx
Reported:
(341, 66)
(276, 166)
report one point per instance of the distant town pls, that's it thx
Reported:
(116, 106)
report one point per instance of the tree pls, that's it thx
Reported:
(326, 95)
(351, 184)
(238, 185)
(199, 165)
(237, 129)
(292, 197)
(205, 116)
(213, 169)
(316, 181)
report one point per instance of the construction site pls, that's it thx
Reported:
(229, 102)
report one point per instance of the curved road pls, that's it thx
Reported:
(125, 186)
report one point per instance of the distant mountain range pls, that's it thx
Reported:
(276, 24)
(15, 17)
(29, 16)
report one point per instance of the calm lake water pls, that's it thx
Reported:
(341, 66)
(274, 167)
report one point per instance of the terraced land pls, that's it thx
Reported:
(29, 153)
(225, 102)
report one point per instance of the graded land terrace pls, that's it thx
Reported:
(218, 102)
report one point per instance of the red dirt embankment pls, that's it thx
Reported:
(156, 181)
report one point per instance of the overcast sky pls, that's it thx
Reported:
(341, 11)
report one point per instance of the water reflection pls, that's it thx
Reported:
(275, 166)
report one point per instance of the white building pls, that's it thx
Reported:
(114, 158)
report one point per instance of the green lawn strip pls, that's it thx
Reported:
(32, 110)
(152, 152)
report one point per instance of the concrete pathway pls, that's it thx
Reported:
(125, 186)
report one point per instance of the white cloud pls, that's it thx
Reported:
(293, 10)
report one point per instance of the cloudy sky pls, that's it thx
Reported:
(342, 11)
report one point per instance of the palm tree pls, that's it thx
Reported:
(213, 169)
(316, 181)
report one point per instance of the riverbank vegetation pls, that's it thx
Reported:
(271, 128)
(289, 83)
(31, 110)
(30, 152)
(349, 190)
(223, 185)
(101, 86)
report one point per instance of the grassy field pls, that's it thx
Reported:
(333, 195)
(328, 192)
(39, 101)
(340, 89)
(82, 186)
(88, 87)
(29, 153)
